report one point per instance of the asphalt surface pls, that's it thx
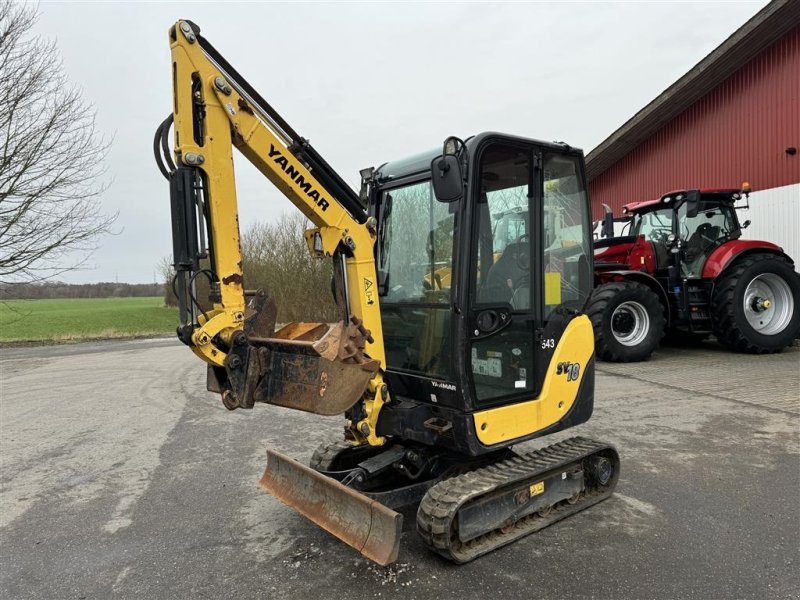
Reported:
(122, 478)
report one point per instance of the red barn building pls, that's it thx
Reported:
(734, 117)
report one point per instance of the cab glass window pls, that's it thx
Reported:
(567, 234)
(655, 225)
(416, 245)
(701, 234)
(502, 363)
(504, 245)
(415, 262)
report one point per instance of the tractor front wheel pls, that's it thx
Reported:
(628, 320)
(756, 304)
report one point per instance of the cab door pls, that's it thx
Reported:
(532, 254)
(503, 309)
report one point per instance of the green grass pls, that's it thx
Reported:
(81, 318)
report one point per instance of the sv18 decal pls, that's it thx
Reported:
(571, 370)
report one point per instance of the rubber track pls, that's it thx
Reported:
(439, 508)
(326, 453)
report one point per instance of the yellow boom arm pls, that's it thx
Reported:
(213, 112)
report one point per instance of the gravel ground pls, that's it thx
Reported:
(122, 478)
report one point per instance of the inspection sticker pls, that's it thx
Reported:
(537, 488)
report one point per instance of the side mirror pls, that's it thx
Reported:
(607, 229)
(692, 203)
(448, 185)
(446, 177)
(745, 225)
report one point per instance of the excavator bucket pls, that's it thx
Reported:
(361, 522)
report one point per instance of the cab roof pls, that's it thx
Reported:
(719, 194)
(409, 165)
(418, 163)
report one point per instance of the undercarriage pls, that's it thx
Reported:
(467, 506)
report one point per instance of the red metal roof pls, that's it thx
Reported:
(764, 29)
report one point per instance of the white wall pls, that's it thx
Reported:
(775, 216)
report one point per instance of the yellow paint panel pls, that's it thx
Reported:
(537, 488)
(506, 423)
(552, 289)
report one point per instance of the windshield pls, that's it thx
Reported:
(655, 225)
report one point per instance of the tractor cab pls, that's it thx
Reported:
(688, 225)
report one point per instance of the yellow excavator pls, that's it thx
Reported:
(461, 332)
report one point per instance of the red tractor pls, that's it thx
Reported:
(683, 268)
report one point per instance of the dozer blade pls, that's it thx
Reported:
(361, 522)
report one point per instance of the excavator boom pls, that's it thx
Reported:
(313, 367)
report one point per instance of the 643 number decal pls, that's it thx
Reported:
(571, 370)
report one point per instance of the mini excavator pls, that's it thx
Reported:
(461, 332)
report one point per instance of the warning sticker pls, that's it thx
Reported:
(369, 291)
(537, 488)
(491, 367)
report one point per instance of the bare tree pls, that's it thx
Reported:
(50, 215)
(275, 257)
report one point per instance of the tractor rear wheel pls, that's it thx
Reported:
(756, 305)
(628, 320)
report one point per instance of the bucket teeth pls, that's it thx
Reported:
(361, 522)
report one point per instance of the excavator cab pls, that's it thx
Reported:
(487, 337)
(457, 338)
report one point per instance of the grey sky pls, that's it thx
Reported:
(371, 82)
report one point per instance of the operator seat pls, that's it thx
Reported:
(704, 236)
(697, 246)
(509, 272)
(660, 253)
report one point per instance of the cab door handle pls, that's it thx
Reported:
(489, 321)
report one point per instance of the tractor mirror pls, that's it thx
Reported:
(746, 224)
(448, 185)
(692, 203)
(607, 227)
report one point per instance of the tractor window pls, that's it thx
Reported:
(567, 235)
(714, 224)
(655, 226)
(712, 220)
